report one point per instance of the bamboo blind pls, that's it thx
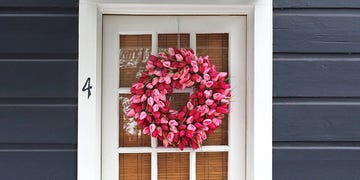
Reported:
(173, 166)
(135, 166)
(171, 40)
(130, 43)
(129, 133)
(211, 165)
(216, 46)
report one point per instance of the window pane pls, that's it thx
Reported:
(217, 47)
(134, 52)
(211, 165)
(135, 166)
(171, 40)
(174, 166)
(130, 135)
(178, 101)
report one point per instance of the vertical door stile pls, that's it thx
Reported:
(193, 41)
(193, 153)
(154, 49)
(192, 165)
(154, 142)
(237, 122)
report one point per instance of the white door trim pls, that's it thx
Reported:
(259, 78)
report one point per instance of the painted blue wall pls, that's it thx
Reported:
(38, 93)
(316, 121)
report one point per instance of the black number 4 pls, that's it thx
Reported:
(87, 87)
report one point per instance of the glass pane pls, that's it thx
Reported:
(178, 101)
(134, 52)
(220, 135)
(217, 47)
(130, 134)
(174, 166)
(171, 40)
(211, 165)
(135, 166)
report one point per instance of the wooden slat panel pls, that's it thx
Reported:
(25, 79)
(130, 135)
(38, 123)
(317, 121)
(326, 77)
(39, 34)
(166, 41)
(316, 4)
(216, 46)
(316, 32)
(178, 100)
(134, 166)
(220, 135)
(211, 165)
(174, 166)
(39, 3)
(298, 163)
(133, 55)
(44, 164)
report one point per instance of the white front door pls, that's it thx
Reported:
(127, 42)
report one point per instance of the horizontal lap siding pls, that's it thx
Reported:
(317, 77)
(38, 79)
(316, 121)
(38, 164)
(314, 163)
(38, 94)
(51, 34)
(316, 31)
(316, 4)
(38, 123)
(316, 89)
(39, 3)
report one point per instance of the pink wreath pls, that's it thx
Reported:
(206, 106)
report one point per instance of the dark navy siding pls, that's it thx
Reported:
(40, 3)
(38, 94)
(316, 128)
(46, 164)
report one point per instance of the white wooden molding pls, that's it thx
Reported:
(259, 77)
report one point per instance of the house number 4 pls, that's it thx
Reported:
(87, 87)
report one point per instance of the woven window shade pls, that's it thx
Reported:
(217, 47)
(178, 100)
(129, 133)
(211, 165)
(135, 166)
(171, 40)
(134, 49)
(173, 166)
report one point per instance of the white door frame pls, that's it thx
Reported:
(113, 26)
(258, 88)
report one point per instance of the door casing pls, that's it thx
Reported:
(113, 26)
(258, 77)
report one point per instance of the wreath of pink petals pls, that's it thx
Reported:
(204, 110)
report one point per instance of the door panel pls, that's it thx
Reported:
(127, 43)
